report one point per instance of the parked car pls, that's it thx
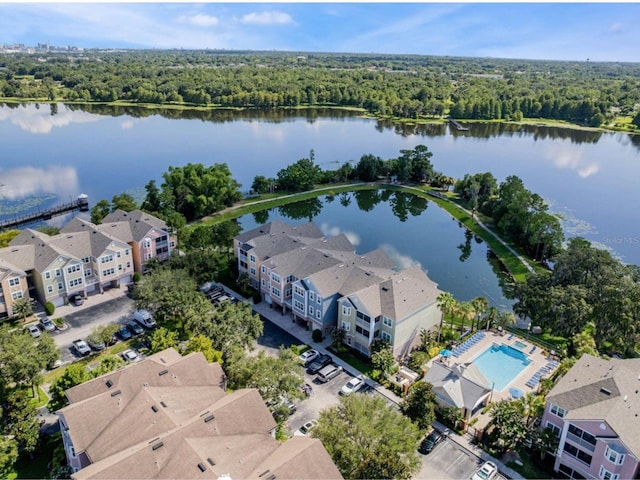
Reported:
(144, 318)
(487, 471)
(309, 356)
(81, 347)
(319, 363)
(430, 441)
(124, 333)
(34, 331)
(329, 372)
(307, 427)
(76, 299)
(97, 346)
(47, 325)
(135, 328)
(130, 356)
(352, 386)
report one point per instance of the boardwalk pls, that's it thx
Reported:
(81, 204)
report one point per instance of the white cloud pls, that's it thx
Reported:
(27, 181)
(200, 20)
(267, 18)
(40, 121)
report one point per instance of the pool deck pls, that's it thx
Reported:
(538, 361)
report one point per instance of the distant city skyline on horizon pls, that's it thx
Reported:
(529, 31)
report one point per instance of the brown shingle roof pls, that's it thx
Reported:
(139, 222)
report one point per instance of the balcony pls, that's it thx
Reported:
(580, 442)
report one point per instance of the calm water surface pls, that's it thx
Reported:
(49, 156)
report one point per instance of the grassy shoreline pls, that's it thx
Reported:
(619, 124)
(511, 262)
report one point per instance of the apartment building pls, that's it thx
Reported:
(321, 280)
(168, 416)
(595, 412)
(83, 259)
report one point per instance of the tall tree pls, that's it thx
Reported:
(420, 405)
(100, 210)
(368, 439)
(19, 419)
(445, 304)
(123, 201)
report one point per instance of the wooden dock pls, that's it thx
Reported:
(457, 126)
(81, 204)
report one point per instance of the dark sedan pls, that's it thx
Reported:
(319, 363)
(430, 441)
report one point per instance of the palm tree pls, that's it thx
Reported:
(505, 318)
(531, 406)
(22, 308)
(491, 316)
(479, 305)
(445, 303)
(467, 312)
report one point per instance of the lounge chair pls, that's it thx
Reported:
(533, 349)
(510, 337)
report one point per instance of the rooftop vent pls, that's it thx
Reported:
(211, 462)
(385, 289)
(109, 383)
(202, 467)
(605, 391)
(151, 441)
(271, 477)
(157, 446)
(163, 372)
(163, 404)
(264, 473)
(116, 393)
(208, 418)
(154, 408)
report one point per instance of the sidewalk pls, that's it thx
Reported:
(286, 322)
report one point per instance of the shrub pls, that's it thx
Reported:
(136, 277)
(317, 335)
(58, 321)
(418, 359)
(49, 308)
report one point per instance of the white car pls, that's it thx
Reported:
(352, 386)
(308, 356)
(130, 356)
(34, 331)
(487, 471)
(307, 427)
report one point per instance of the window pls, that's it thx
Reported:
(118, 254)
(147, 243)
(106, 258)
(275, 278)
(253, 258)
(310, 310)
(86, 260)
(311, 296)
(126, 252)
(60, 285)
(148, 256)
(49, 288)
(299, 291)
(346, 310)
(275, 292)
(263, 269)
(253, 271)
(75, 282)
(581, 437)
(558, 411)
(14, 282)
(47, 275)
(346, 326)
(16, 295)
(607, 475)
(58, 272)
(264, 282)
(287, 293)
(119, 267)
(298, 305)
(614, 457)
(87, 273)
(385, 336)
(556, 429)
(108, 271)
(128, 264)
(577, 453)
(318, 314)
(387, 322)
(74, 268)
(291, 278)
(362, 331)
(319, 299)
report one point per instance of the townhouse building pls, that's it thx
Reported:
(595, 412)
(168, 416)
(321, 280)
(13, 286)
(82, 259)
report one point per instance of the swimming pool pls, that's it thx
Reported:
(501, 364)
(518, 345)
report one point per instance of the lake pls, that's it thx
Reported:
(50, 154)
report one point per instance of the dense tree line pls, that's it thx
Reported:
(407, 86)
(586, 286)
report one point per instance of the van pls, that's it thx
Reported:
(329, 372)
(144, 318)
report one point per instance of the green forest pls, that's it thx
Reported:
(403, 86)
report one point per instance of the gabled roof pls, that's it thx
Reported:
(464, 385)
(277, 228)
(45, 251)
(301, 262)
(398, 297)
(605, 390)
(8, 270)
(81, 236)
(21, 256)
(139, 222)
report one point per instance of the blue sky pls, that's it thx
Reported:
(567, 31)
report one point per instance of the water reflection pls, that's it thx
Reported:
(23, 182)
(42, 121)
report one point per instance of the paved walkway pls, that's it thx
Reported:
(286, 322)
